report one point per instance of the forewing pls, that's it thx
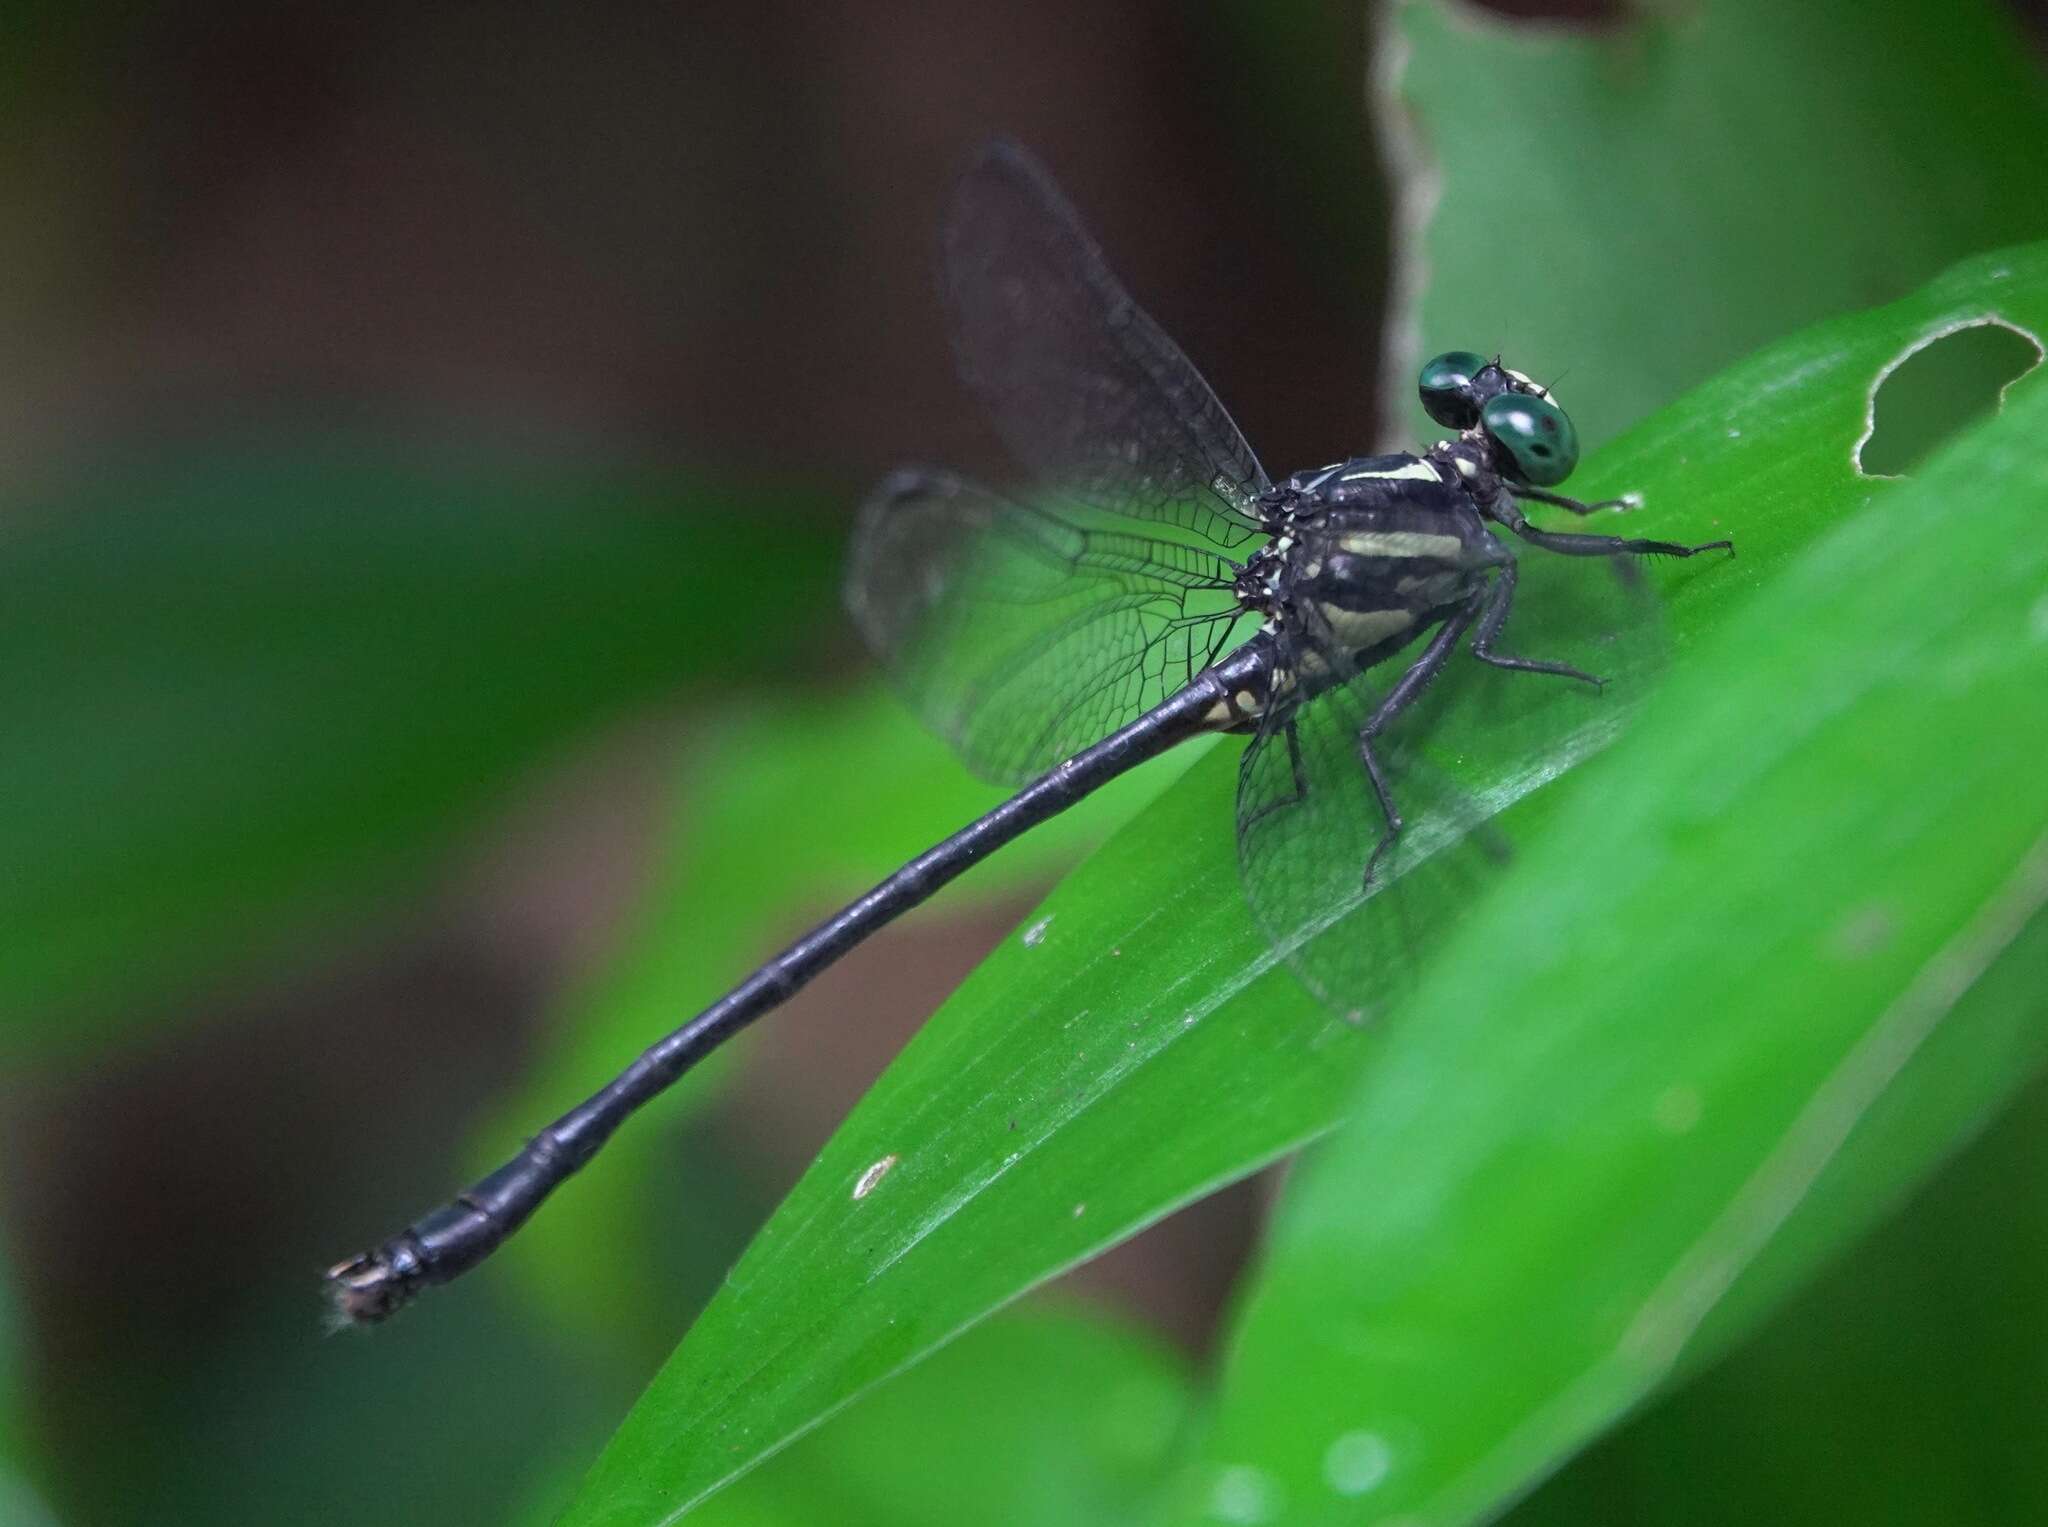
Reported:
(1084, 387)
(1023, 632)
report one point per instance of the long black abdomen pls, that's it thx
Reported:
(443, 1244)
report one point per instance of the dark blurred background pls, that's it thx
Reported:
(682, 238)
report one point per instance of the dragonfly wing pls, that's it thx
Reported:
(1085, 388)
(1307, 825)
(1020, 633)
(1476, 742)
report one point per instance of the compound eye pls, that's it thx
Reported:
(1446, 387)
(1536, 434)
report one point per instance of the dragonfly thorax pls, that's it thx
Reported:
(1368, 553)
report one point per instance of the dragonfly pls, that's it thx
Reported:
(1149, 586)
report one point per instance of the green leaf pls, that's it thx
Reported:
(1634, 209)
(916, 1219)
(240, 690)
(1895, 1390)
(21, 1505)
(1738, 978)
(1051, 1415)
(1138, 1049)
(1044, 1416)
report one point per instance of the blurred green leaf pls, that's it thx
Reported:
(1631, 210)
(1761, 916)
(1141, 1050)
(257, 1418)
(1898, 1389)
(239, 690)
(20, 1503)
(1042, 1418)
(793, 803)
(1050, 1414)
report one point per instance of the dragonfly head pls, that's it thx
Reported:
(1526, 435)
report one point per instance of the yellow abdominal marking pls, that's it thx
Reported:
(1232, 709)
(1244, 705)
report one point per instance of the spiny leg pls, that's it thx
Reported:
(1575, 544)
(1295, 770)
(1495, 616)
(1294, 765)
(1572, 543)
(1399, 698)
(1575, 505)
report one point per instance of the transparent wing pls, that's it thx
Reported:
(1477, 742)
(1023, 632)
(1307, 825)
(1084, 387)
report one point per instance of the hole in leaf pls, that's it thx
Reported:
(1950, 382)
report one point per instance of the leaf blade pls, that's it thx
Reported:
(1638, 1105)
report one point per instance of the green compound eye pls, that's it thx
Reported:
(1536, 433)
(1446, 387)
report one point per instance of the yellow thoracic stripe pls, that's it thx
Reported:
(1413, 471)
(1358, 629)
(1401, 543)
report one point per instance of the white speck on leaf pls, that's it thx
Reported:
(1035, 934)
(872, 1176)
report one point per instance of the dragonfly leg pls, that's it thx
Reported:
(1294, 765)
(1576, 506)
(1404, 693)
(1295, 769)
(1495, 615)
(1572, 543)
